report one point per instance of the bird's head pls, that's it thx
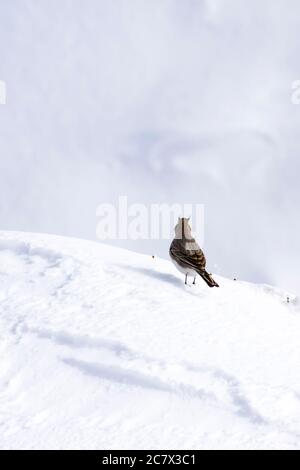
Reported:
(182, 228)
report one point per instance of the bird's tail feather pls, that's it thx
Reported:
(208, 279)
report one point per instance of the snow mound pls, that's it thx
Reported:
(104, 348)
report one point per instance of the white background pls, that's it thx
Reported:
(163, 101)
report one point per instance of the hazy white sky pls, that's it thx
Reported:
(163, 101)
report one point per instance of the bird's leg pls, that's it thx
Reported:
(186, 279)
(194, 282)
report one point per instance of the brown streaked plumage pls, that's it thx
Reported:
(187, 254)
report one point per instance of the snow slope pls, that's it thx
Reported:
(103, 348)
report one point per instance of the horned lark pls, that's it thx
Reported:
(187, 255)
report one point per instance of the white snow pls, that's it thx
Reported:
(103, 348)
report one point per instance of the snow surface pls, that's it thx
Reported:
(103, 348)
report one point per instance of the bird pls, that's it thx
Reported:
(187, 255)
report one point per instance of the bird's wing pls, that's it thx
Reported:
(193, 258)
